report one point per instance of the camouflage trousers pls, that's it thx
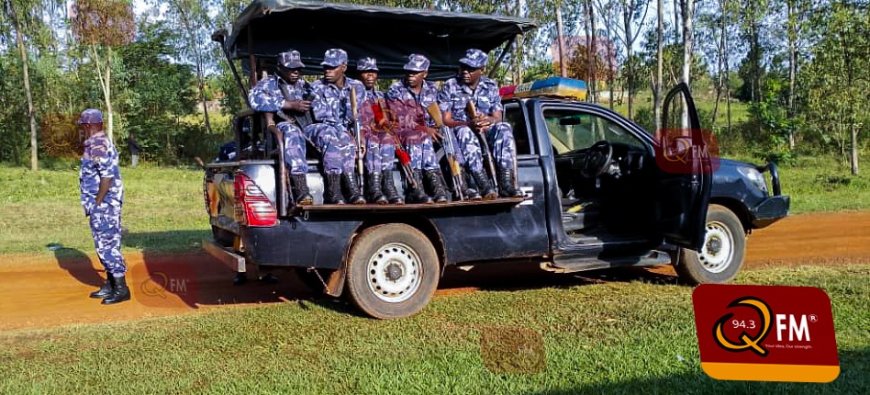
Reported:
(105, 225)
(379, 155)
(422, 155)
(294, 148)
(336, 145)
(500, 139)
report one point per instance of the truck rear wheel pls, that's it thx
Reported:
(392, 271)
(722, 254)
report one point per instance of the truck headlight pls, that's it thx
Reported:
(754, 176)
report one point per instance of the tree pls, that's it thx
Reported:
(837, 80)
(31, 113)
(196, 24)
(102, 25)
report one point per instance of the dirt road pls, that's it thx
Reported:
(40, 291)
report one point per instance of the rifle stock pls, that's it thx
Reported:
(357, 134)
(471, 113)
(449, 149)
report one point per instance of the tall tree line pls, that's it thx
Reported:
(799, 64)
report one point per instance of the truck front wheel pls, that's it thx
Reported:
(722, 254)
(392, 271)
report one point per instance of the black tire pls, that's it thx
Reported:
(392, 271)
(723, 251)
(223, 237)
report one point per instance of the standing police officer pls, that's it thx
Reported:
(409, 99)
(332, 110)
(380, 144)
(102, 195)
(483, 93)
(280, 92)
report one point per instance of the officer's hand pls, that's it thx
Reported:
(433, 133)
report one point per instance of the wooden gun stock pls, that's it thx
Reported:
(455, 169)
(471, 112)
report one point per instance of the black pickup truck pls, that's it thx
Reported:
(598, 193)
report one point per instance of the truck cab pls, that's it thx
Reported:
(599, 191)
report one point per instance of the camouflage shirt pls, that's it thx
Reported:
(409, 106)
(269, 95)
(100, 160)
(454, 96)
(331, 104)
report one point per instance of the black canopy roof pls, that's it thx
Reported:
(388, 34)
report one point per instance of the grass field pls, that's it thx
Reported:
(164, 211)
(574, 337)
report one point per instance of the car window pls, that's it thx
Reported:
(513, 115)
(572, 129)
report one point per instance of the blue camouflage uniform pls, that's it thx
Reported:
(410, 109)
(269, 95)
(332, 111)
(453, 98)
(100, 160)
(380, 148)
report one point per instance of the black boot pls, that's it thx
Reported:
(105, 289)
(373, 189)
(300, 190)
(352, 192)
(417, 195)
(332, 189)
(389, 188)
(484, 186)
(433, 181)
(120, 293)
(471, 192)
(506, 184)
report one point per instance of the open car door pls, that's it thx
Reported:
(685, 171)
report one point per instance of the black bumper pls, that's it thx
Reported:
(774, 208)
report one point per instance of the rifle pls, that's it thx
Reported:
(357, 134)
(455, 168)
(404, 158)
(471, 113)
(302, 119)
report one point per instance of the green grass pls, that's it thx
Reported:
(164, 210)
(614, 337)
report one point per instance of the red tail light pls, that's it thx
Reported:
(253, 207)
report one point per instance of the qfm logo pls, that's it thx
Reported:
(794, 327)
(765, 333)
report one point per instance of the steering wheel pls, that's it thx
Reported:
(597, 160)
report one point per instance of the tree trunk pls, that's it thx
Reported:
(720, 53)
(792, 69)
(563, 67)
(677, 6)
(657, 91)
(520, 46)
(106, 86)
(593, 53)
(31, 113)
(627, 10)
(854, 156)
(687, 53)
